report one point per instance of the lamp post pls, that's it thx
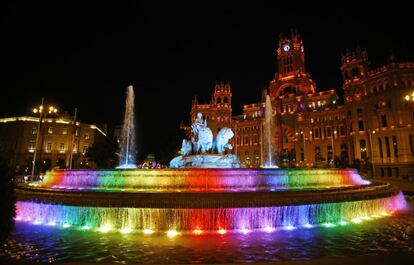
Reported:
(42, 115)
(333, 146)
(40, 111)
(371, 151)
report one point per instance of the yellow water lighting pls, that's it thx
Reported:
(197, 231)
(126, 230)
(172, 233)
(366, 218)
(148, 231)
(221, 231)
(104, 229)
(375, 216)
(356, 220)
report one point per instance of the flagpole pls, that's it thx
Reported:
(73, 138)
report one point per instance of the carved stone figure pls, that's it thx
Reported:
(186, 147)
(222, 139)
(205, 139)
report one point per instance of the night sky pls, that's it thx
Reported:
(85, 55)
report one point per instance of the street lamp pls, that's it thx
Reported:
(409, 97)
(42, 115)
(372, 151)
(333, 147)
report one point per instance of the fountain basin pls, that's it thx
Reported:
(348, 198)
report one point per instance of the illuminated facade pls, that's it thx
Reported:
(374, 125)
(18, 139)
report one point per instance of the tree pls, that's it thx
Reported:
(103, 153)
(7, 199)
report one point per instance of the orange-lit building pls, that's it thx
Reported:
(374, 125)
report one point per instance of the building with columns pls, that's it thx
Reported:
(374, 125)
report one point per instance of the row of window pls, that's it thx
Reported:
(325, 132)
(62, 147)
(247, 140)
(64, 132)
(252, 128)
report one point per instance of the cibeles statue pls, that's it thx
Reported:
(202, 152)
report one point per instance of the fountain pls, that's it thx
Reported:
(127, 159)
(268, 150)
(206, 192)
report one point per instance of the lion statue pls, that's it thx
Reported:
(222, 139)
(205, 140)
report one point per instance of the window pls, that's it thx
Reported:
(31, 146)
(387, 146)
(65, 130)
(34, 130)
(49, 147)
(246, 140)
(329, 131)
(226, 100)
(62, 148)
(361, 125)
(342, 130)
(380, 147)
(382, 172)
(363, 148)
(397, 171)
(355, 71)
(84, 149)
(389, 172)
(86, 136)
(411, 139)
(255, 139)
(359, 111)
(395, 146)
(302, 155)
(384, 120)
(50, 130)
(237, 140)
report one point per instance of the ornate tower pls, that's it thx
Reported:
(290, 55)
(354, 68)
(291, 77)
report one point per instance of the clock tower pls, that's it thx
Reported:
(291, 77)
(290, 55)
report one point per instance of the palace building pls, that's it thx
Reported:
(373, 127)
(18, 139)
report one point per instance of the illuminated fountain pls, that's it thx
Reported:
(268, 150)
(127, 159)
(198, 197)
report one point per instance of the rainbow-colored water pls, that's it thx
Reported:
(207, 216)
(210, 219)
(199, 180)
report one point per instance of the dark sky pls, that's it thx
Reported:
(85, 55)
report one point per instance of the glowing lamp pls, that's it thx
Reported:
(289, 227)
(356, 220)
(269, 229)
(221, 231)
